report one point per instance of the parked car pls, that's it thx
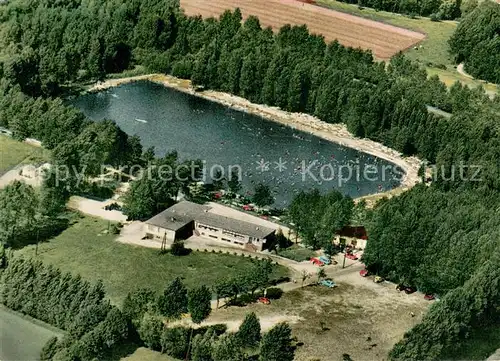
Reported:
(429, 297)
(409, 290)
(264, 300)
(400, 287)
(352, 256)
(364, 273)
(378, 279)
(325, 260)
(317, 262)
(328, 283)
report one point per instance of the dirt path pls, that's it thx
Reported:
(96, 208)
(336, 133)
(461, 71)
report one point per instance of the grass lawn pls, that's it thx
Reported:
(297, 253)
(83, 249)
(13, 152)
(145, 354)
(21, 337)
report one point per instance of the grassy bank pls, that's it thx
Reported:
(21, 337)
(86, 250)
(14, 152)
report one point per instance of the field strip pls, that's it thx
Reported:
(382, 39)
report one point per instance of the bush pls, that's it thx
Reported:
(115, 229)
(178, 249)
(218, 329)
(175, 341)
(274, 293)
(434, 17)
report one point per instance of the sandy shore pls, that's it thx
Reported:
(336, 133)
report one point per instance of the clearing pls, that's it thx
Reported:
(359, 318)
(145, 354)
(85, 248)
(383, 39)
(13, 152)
(25, 337)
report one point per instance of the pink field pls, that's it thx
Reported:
(382, 39)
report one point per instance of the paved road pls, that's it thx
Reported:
(21, 339)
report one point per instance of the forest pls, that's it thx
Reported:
(442, 238)
(477, 42)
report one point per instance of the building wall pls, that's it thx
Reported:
(235, 239)
(157, 233)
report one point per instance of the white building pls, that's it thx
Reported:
(184, 219)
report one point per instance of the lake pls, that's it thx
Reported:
(285, 159)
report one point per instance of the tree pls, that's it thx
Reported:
(137, 303)
(49, 349)
(321, 274)
(175, 341)
(115, 328)
(258, 276)
(173, 302)
(304, 276)
(219, 181)
(234, 182)
(226, 348)
(276, 345)
(18, 213)
(262, 195)
(3, 257)
(202, 347)
(150, 331)
(249, 332)
(139, 201)
(199, 303)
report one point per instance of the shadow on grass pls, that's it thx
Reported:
(50, 229)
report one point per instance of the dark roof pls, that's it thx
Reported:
(177, 216)
(182, 213)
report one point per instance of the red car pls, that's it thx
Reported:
(317, 262)
(247, 207)
(429, 297)
(264, 300)
(363, 273)
(351, 256)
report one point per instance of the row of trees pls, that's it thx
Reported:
(67, 302)
(441, 9)
(213, 344)
(477, 42)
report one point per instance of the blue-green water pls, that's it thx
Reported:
(199, 129)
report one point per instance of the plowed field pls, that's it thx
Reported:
(382, 39)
